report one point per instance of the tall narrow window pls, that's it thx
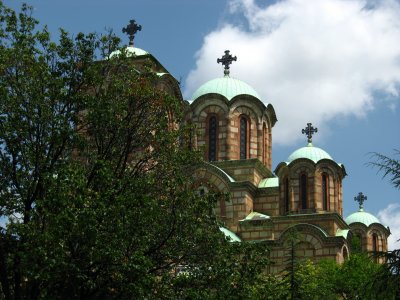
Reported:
(303, 191)
(324, 192)
(243, 138)
(356, 243)
(345, 253)
(212, 138)
(264, 144)
(374, 242)
(287, 208)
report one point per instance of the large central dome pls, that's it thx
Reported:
(313, 153)
(225, 86)
(130, 51)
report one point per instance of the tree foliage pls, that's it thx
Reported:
(388, 165)
(355, 278)
(95, 188)
(387, 281)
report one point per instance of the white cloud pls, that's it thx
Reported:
(390, 216)
(312, 60)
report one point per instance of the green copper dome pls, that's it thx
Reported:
(131, 51)
(231, 236)
(269, 182)
(362, 217)
(225, 86)
(310, 152)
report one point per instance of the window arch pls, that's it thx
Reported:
(212, 138)
(325, 191)
(303, 191)
(244, 135)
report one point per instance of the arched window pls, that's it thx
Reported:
(325, 190)
(264, 144)
(374, 242)
(357, 243)
(287, 208)
(243, 137)
(212, 138)
(303, 191)
(345, 253)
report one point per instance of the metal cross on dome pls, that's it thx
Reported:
(360, 199)
(131, 30)
(226, 60)
(309, 131)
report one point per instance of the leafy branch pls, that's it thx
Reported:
(389, 166)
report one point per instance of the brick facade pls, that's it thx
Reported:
(298, 205)
(302, 201)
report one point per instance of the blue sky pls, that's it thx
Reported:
(330, 62)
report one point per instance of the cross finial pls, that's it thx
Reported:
(226, 60)
(360, 199)
(131, 30)
(309, 131)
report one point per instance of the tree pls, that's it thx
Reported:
(387, 280)
(238, 272)
(356, 276)
(328, 280)
(304, 279)
(292, 265)
(389, 166)
(95, 187)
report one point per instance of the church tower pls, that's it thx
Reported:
(369, 235)
(143, 61)
(234, 128)
(231, 120)
(310, 180)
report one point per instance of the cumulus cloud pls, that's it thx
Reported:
(312, 60)
(390, 216)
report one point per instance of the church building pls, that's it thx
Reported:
(298, 204)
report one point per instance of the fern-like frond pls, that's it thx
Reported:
(390, 167)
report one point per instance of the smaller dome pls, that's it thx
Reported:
(255, 216)
(231, 236)
(130, 51)
(269, 182)
(310, 152)
(342, 232)
(362, 217)
(225, 86)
